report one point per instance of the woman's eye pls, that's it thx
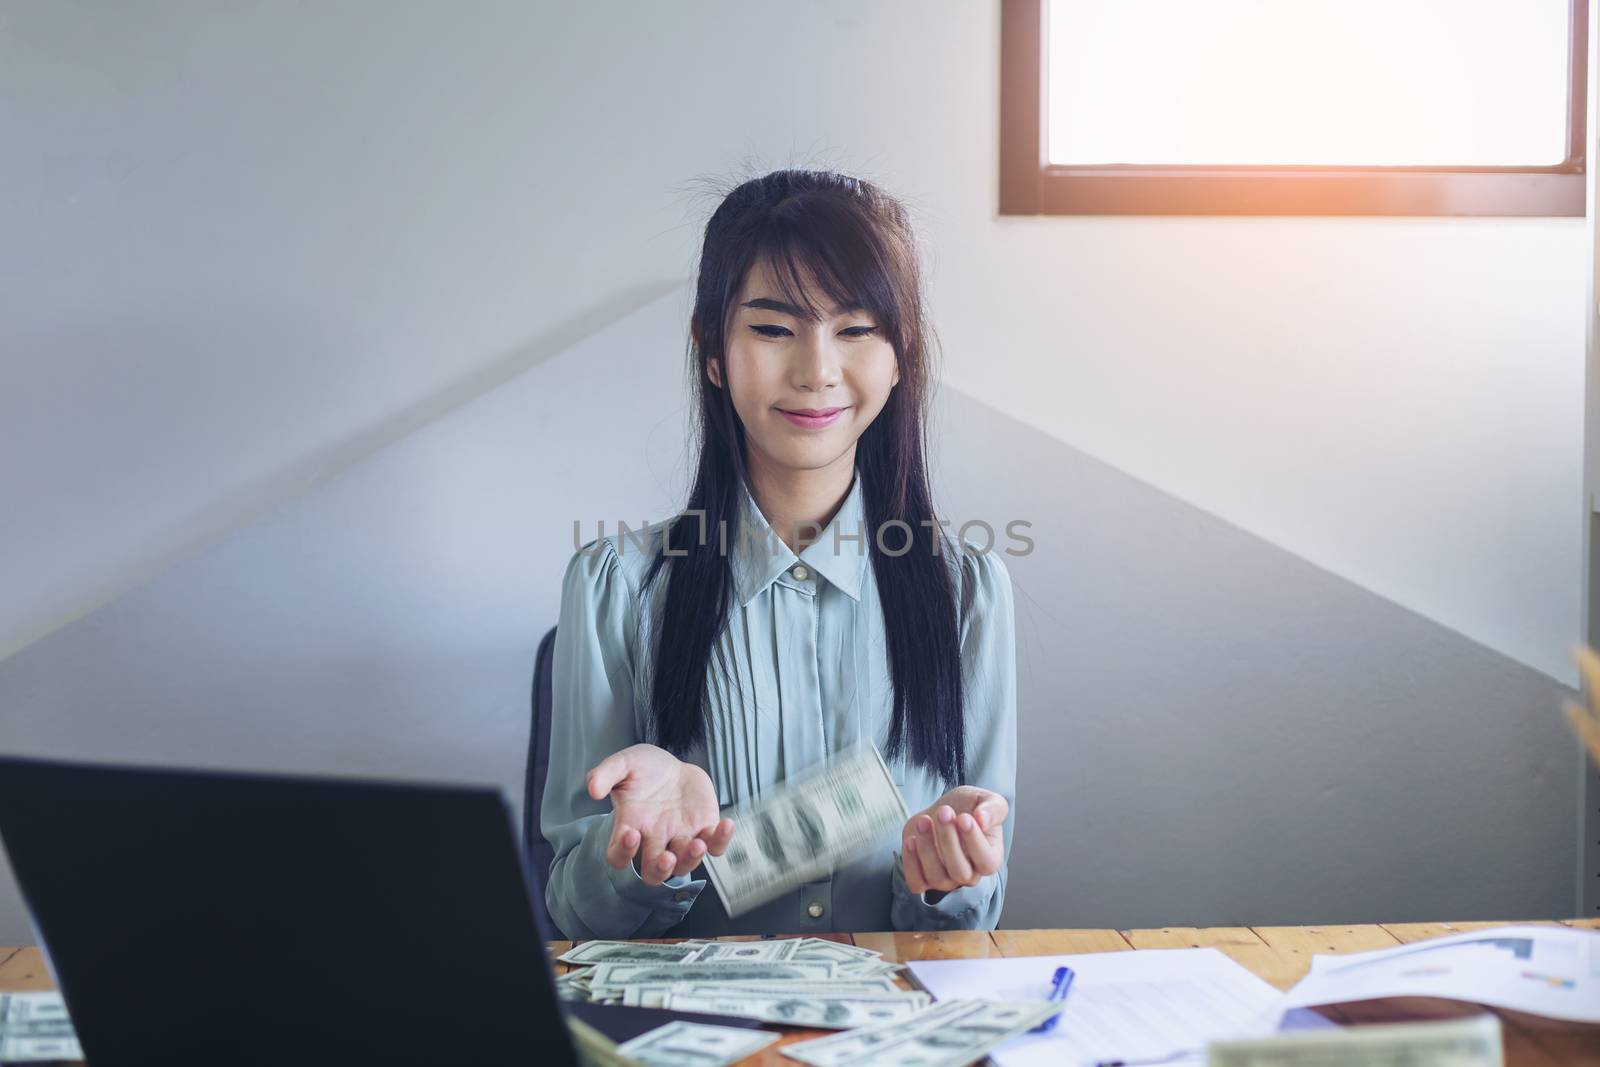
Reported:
(779, 331)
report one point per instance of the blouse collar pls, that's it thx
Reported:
(759, 556)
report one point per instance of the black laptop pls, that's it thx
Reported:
(211, 918)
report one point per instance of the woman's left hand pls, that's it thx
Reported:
(955, 842)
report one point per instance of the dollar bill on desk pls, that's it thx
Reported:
(1474, 1042)
(951, 1033)
(686, 1044)
(595, 952)
(824, 1011)
(654, 995)
(612, 979)
(753, 951)
(806, 827)
(34, 1027)
(816, 948)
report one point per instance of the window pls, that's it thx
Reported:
(1293, 107)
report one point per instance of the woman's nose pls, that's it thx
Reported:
(816, 364)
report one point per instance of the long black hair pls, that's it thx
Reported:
(857, 242)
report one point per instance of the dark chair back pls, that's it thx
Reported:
(540, 854)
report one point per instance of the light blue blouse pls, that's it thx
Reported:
(799, 672)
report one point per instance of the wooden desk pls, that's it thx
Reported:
(1280, 955)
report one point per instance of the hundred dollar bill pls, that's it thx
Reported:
(815, 948)
(866, 969)
(950, 1034)
(869, 986)
(686, 1044)
(1473, 1042)
(593, 952)
(831, 1013)
(837, 1049)
(609, 979)
(805, 827)
(700, 950)
(39, 1049)
(790, 948)
(35, 1027)
(654, 995)
(758, 951)
(18, 1008)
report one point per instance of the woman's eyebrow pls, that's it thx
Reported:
(762, 303)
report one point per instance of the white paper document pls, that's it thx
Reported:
(1552, 971)
(1122, 1006)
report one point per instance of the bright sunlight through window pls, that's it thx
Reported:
(1363, 83)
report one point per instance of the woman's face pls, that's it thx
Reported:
(805, 391)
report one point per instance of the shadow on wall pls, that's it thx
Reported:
(1213, 732)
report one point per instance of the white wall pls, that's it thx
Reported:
(245, 243)
(242, 246)
(1214, 732)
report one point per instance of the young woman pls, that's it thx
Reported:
(808, 597)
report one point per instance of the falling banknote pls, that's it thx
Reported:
(806, 827)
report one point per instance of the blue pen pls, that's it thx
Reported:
(1058, 992)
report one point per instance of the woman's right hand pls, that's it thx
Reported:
(664, 809)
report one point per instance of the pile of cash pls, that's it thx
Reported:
(800, 981)
(35, 1027)
(952, 1033)
(686, 1044)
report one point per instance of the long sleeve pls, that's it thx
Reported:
(989, 689)
(592, 690)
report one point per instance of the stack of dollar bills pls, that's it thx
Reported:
(35, 1027)
(799, 982)
(949, 1034)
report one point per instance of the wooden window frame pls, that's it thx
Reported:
(1030, 185)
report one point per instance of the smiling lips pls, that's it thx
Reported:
(812, 418)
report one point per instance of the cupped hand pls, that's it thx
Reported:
(954, 842)
(664, 811)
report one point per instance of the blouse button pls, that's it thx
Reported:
(801, 574)
(814, 909)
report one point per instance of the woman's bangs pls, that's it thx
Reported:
(841, 257)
